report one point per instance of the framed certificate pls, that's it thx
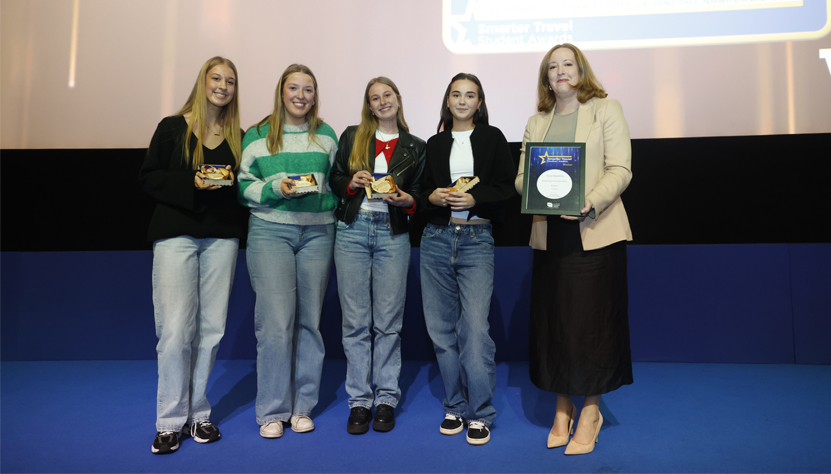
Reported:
(555, 178)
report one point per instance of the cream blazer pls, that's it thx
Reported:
(601, 125)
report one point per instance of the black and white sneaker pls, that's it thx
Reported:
(166, 442)
(478, 433)
(451, 425)
(205, 432)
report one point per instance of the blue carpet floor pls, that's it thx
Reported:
(99, 417)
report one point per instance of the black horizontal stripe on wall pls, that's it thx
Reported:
(708, 190)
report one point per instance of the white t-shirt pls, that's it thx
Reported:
(380, 167)
(461, 164)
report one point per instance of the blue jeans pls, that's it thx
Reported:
(456, 290)
(372, 269)
(191, 285)
(289, 267)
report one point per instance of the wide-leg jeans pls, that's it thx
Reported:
(192, 281)
(289, 266)
(456, 288)
(372, 267)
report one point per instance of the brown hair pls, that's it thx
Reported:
(359, 156)
(587, 87)
(481, 114)
(196, 106)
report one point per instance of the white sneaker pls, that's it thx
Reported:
(272, 429)
(301, 424)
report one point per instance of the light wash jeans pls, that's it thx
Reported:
(191, 285)
(289, 267)
(456, 290)
(372, 269)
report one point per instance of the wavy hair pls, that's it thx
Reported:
(446, 117)
(275, 121)
(197, 104)
(359, 156)
(587, 87)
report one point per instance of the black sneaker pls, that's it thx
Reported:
(451, 425)
(205, 432)
(384, 418)
(166, 442)
(358, 422)
(478, 433)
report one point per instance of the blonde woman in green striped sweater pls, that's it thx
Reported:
(289, 255)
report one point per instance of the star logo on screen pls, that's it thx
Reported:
(546, 158)
(462, 22)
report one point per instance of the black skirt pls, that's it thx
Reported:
(579, 331)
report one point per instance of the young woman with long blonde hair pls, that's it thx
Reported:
(372, 251)
(195, 231)
(289, 253)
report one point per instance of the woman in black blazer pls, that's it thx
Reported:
(195, 230)
(457, 252)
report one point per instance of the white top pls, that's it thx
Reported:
(461, 164)
(380, 167)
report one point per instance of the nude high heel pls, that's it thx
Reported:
(557, 441)
(577, 448)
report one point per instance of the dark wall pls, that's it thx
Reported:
(716, 190)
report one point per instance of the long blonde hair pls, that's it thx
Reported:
(587, 87)
(275, 121)
(359, 157)
(196, 105)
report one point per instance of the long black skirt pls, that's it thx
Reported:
(579, 331)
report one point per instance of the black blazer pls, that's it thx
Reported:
(492, 163)
(180, 208)
(406, 167)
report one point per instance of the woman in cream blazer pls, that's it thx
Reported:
(579, 342)
(601, 126)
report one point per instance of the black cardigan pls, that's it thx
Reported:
(406, 166)
(181, 209)
(492, 163)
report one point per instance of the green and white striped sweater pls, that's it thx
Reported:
(260, 175)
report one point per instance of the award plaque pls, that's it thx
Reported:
(381, 186)
(464, 184)
(304, 184)
(217, 175)
(554, 181)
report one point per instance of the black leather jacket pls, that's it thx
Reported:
(406, 167)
